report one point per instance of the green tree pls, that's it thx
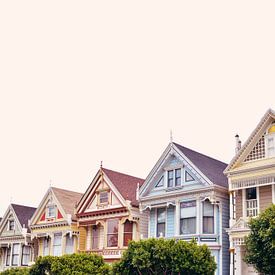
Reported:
(260, 243)
(161, 256)
(75, 264)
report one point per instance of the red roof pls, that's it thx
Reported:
(125, 184)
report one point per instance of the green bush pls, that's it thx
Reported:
(160, 256)
(75, 264)
(260, 243)
(16, 271)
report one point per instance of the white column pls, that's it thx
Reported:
(231, 208)
(198, 217)
(238, 259)
(244, 202)
(273, 193)
(89, 238)
(177, 219)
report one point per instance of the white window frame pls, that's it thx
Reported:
(69, 248)
(28, 255)
(8, 260)
(55, 246)
(106, 202)
(244, 201)
(197, 219)
(214, 217)
(156, 221)
(9, 224)
(48, 216)
(17, 254)
(46, 247)
(272, 135)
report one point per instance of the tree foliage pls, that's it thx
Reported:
(160, 256)
(75, 264)
(16, 271)
(260, 243)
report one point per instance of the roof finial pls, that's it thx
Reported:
(101, 164)
(171, 136)
(51, 182)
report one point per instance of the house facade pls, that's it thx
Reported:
(185, 196)
(54, 226)
(16, 246)
(251, 176)
(108, 214)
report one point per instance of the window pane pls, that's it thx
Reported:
(15, 254)
(95, 239)
(51, 211)
(112, 240)
(103, 197)
(112, 226)
(188, 209)
(128, 232)
(46, 245)
(188, 226)
(161, 229)
(160, 182)
(178, 177)
(251, 193)
(8, 256)
(11, 225)
(161, 215)
(26, 255)
(69, 244)
(170, 178)
(208, 225)
(208, 209)
(57, 245)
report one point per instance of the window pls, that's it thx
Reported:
(160, 182)
(270, 146)
(69, 249)
(95, 239)
(51, 211)
(188, 177)
(103, 197)
(46, 246)
(57, 245)
(178, 177)
(112, 234)
(188, 217)
(251, 202)
(8, 256)
(161, 222)
(170, 180)
(128, 232)
(26, 252)
(208, 218)
(11, 225)
(15, 254)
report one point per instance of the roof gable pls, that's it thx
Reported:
(121, 187)
(197, 169)
(254, 142)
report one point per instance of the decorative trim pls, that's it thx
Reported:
(252, 182)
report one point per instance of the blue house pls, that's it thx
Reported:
(186, 196)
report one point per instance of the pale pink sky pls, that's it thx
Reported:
(85, 81)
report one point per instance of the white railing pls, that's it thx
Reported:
(252, 182)
(251, 208)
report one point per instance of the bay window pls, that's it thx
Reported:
(26, 252)
(161, 217)
(57, 244)
(128, 232)
(112, 233)
(15, 254)
(188, 214)
(208, 218)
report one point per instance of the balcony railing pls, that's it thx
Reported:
(251, 208)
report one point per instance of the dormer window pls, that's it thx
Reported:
(174, 178)
(11, 225)
(51, 211)
(103, 197)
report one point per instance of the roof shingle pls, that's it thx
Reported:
(126, 184)
(211, 168)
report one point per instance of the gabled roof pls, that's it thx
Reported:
(67, 199)
(210, 167)
(270, 114)
(125, 184)
(23, 213)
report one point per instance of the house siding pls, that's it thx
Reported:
(152, 223)
(225, 237)
(239, 204)
(170, 221)
(265, 197)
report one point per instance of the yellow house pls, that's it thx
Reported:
(53, 225)
(251, 175)
(108, 214)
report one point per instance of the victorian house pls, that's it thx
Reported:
(251, 176)
(16, 247)
(54, 226)
(108, 214)
(186, 196)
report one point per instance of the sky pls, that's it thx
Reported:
(88, 81)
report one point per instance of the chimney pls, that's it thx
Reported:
(238, 144)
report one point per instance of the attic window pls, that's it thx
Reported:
(103, 197)
(51, 213)
(11, 225)
(188, 177)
